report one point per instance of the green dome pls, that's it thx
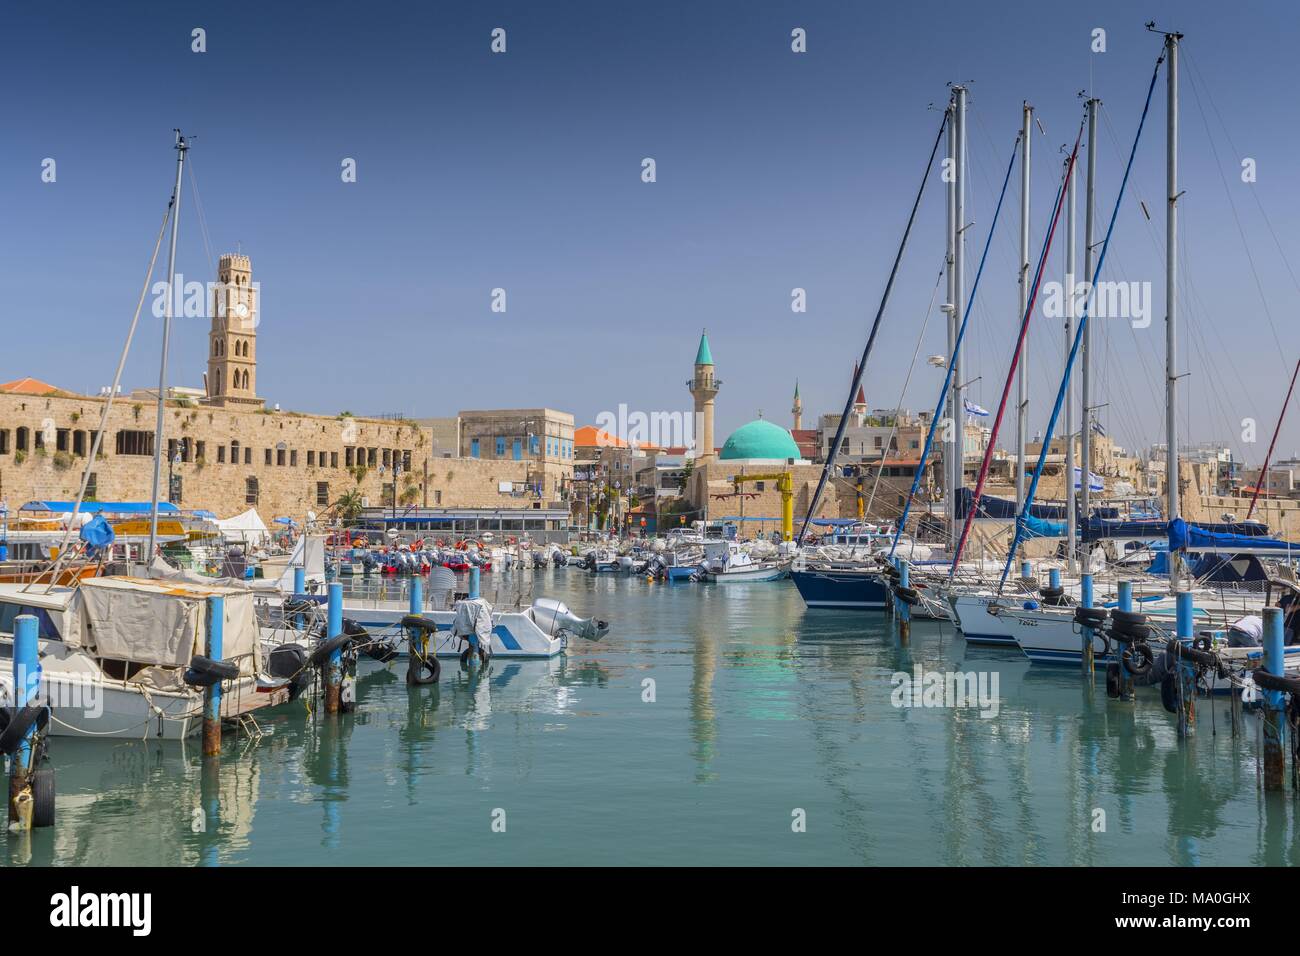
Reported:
(760, 439)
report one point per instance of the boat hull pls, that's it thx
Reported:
(842, 590)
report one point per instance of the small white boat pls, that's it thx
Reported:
(727, 562)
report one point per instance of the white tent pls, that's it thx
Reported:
(247, 528)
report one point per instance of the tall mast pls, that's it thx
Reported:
(953, 308)
(1171, 294)
(1022, 373)
(959, 296)
(1085, 392)
(181, 147)
(1068, 430)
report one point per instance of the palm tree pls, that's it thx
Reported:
(349, 506)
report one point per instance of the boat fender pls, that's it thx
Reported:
(327, 648)
(221, 670)
(1113, 681)
(381, 652)
(1138, 658)
(34, 714)
(909, 596)
(197, 679)
(1193, 653)
(1266, 681)
(1128, 617)
(423, 670)
(1203, 643)
(42, 784)
(1031, 605)
(1093, 617)
(419, 622)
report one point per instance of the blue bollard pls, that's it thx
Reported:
(334, 666)
(27, 682)
(1026, 570)
(1126, 605)
(1085, 600)
(473, 581)
(417, 640)
(1183, 624)
(904, 609)
(4, 551)
(1054, 578)
(416, 605)
(212, 648)
(1274, 700)
(299, 588)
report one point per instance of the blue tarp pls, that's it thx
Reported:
(1183, 536)
(1038, 528)
(97, 533)
(101, 507)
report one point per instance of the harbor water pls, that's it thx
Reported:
(714, 724)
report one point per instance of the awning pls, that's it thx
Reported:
(102, 507)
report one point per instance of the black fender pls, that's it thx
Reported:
(909, 596)
(325, 649)
(1138, 658)
(221, 670)
(1114, 681)
(1169, 693)
(34, 714)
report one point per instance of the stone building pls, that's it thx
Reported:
(225, 452)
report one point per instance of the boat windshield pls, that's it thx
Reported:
(45, 624)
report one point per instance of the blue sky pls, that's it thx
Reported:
(522, 171)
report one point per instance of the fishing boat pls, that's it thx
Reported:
(115, 652)
(846, 586)
(726, 562)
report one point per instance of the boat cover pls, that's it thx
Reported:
(164, 622)
(474, 619)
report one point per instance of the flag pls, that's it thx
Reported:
(973, 409)
(1095, 482)
(1098, 428)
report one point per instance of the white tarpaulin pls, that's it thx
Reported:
(308, 553)
(164, 623)
(248, 528)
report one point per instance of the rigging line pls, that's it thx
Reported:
(203, 219)
(1078, 335)
(108, 403)
(1067, 174)
(929, 309)
(947, 379)
(871, 339)
(1236, 217)
(1209, 96)
(1268, 456)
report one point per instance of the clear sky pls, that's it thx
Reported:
(522, 171)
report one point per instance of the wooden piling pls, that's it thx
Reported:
(212, 647)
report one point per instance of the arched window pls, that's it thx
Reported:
(234, 452)
(220, 377)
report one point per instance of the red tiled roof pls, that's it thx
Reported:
(27, 386)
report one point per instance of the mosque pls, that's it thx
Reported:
(757, 447)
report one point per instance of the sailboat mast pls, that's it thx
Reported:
(1022, 374)
(1085, 386)
(950, 206)
(959, 295)
(1068, 431)
(181, 147)
(1172, 509)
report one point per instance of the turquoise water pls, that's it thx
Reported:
(761, 709)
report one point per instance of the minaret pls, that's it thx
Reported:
(232, 340)
(859, 400)
(704, 387)
(797, 409)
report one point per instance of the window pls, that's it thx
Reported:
(322, 493)
(126, 442)
(473, 446)
(92, 486)
(388, 458)
(406, 461)
(200, 451)
(250, 490)
(248, 456)
(334, 459)
(61, 440)
(532, 445)
(347, 457)
(293, 458)
(221, 454)
(517, 449)
(279, 457)
(79, 443)
(437, 497)
(311, 459)
(4, 441)
(268, 456)
(501, 447)
(372, 457)
(234, 452)
(758, 486)
(21, 443)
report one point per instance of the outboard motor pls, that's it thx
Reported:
(555, 618)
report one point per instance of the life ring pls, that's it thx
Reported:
(1138, 658)
(423, 670)
(34, 714)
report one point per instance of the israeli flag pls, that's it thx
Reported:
(1094, 480)
(1098, 428)
(973, 409)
